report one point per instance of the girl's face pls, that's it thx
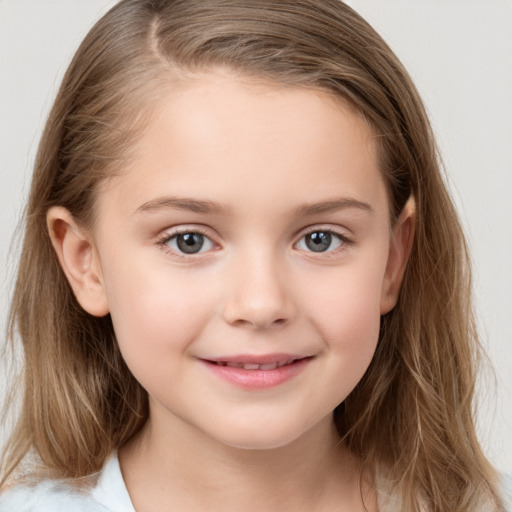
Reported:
(246, 257)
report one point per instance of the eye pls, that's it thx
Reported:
(321, 241)
(189, 243)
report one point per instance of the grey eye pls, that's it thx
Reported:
(320, 241)
(190, 243)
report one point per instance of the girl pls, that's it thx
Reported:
(243, 284)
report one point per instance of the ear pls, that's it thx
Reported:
(399, 250)
(78, 260)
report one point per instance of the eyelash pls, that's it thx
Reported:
(345, 241)
(164, 240)
(168, 236)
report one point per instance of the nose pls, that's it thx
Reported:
(259, 297)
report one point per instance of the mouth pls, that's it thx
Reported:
(258, 366)
(258, 372)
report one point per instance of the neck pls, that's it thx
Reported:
(183, 469)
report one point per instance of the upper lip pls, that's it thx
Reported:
(256, 359)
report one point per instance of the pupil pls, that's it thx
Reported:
(190, 243)
(319, 241)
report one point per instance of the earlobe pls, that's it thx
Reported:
(78, 260)
(399, 252)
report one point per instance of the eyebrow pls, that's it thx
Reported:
(211, 207)
(183, 203)
(332, 205)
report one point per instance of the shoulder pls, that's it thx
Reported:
(105, 492)
(507, 492)
(48, 496)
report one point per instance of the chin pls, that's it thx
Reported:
(261, 439)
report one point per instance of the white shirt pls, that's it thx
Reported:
(109, 494)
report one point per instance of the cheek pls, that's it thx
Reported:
(347, 315)
(155, 314)
(352, 334)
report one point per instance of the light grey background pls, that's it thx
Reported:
(459, 52)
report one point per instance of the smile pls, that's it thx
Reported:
(256, 366)
(257, 372)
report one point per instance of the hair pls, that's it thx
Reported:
(410, 418)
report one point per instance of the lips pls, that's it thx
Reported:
(257, 372)
(256, 366)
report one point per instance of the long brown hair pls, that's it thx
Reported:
(410, 418)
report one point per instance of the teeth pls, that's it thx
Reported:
(255, 366)
(269, 366)
(251, 366)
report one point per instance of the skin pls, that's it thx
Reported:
(263, 155)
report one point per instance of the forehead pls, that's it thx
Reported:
(241, 141)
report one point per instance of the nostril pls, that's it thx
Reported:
(262, 308)
(259, 323)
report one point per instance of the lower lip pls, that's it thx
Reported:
(258, 379)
